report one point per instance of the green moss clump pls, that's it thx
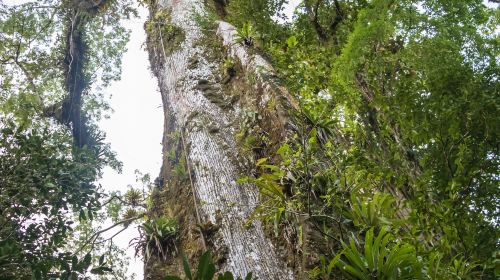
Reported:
(165, 34)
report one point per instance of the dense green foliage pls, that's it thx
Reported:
(49, 198)
(39, 187)
(401, 114)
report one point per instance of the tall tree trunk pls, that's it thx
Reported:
(203, 113)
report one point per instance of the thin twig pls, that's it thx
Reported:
(94, 236)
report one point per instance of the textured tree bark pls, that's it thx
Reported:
(187, 77)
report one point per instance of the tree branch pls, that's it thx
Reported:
(92, 239)
(338, 17)
(312, 12)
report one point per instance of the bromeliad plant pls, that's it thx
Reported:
(158, 237)
(376, 212)
(134, 197)
(246, 34)
(206, 271)
(383, 257)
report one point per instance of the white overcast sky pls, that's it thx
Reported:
(135, 128)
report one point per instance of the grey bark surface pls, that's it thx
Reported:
(213, 155)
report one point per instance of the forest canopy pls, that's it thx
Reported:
(392, 172)
(400, 106)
